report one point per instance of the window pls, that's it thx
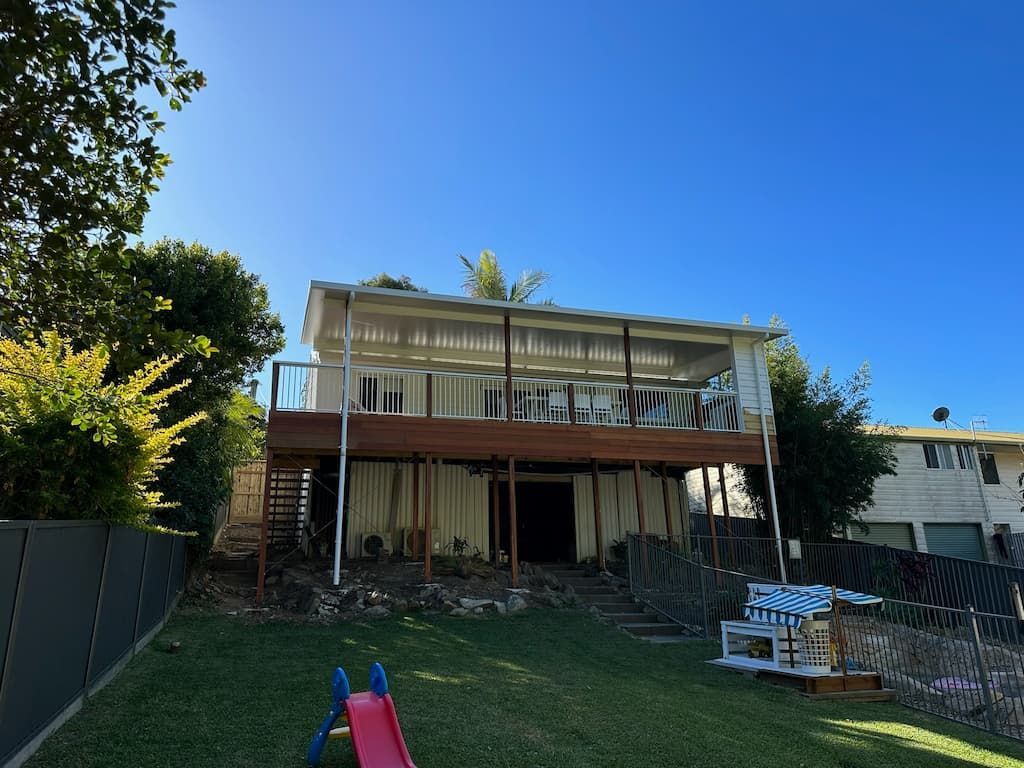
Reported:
(988, 469)
(965, 455)
(938, 456)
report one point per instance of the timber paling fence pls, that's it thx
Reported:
(958, 663)
(77, 600)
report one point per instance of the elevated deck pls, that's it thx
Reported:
(377, 435)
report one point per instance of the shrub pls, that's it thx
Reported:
(74, 446)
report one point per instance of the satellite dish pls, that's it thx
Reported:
(941, 413)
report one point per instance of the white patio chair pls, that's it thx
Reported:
(601, 405)
(583, 413)
(558, 406)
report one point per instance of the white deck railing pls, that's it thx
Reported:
(316, 387)
(468, 396)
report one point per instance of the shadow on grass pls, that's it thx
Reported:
(542, 688)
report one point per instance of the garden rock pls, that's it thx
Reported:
(472, 604)
(458, 611)
(377, 612)
(515, 603)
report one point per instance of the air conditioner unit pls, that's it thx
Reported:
(436, 545)
(372, 542)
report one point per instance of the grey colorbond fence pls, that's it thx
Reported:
(957, 663)
(77, 599)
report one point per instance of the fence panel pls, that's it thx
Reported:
(247, 482)
(72, 595)
(12, 544)
(957, 663)
(115, 628)
(918, 577)
(52, 628)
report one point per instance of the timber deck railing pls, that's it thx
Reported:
(316, 388)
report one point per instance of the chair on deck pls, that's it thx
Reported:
(558, 406)
(583, 413)
(601, 406)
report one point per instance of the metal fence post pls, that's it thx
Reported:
(986, 684)
(703, 603)
(630, 547)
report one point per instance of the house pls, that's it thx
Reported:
(527, 432)
(954, 493)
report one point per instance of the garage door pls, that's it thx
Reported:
(954, 540)
(899, 535)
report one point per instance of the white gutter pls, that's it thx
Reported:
(343, 448)
(768, 460)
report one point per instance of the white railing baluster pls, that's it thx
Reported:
(316, 387)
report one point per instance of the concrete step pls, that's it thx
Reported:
(649, 628)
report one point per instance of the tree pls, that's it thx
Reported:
(384, 280)
(78, 160)
(486, 280)
(74, 444)
(830, 452)
(212, 295)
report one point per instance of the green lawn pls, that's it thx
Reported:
(541, 688)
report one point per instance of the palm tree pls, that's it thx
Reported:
(486, 280)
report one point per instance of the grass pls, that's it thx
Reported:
(541, 688)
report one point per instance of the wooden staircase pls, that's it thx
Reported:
(289, 495)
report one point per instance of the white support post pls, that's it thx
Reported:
(343, 448)
(768, 462)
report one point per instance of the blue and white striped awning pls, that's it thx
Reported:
(789, 605)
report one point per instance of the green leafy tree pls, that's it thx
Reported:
(74, 444)
(384, 280)
(78, 159)
(213, 296)
(830, 452)
(486, 280)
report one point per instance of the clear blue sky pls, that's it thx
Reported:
(857, 168)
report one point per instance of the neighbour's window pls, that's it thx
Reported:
(988, 469)
(938, 456)
(965, 455)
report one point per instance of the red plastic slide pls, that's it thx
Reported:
(376, 736)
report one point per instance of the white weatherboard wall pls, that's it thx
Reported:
(460, 502)
(751, 369)
(1004, 499)
(919, 495)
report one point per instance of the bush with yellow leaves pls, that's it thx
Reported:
(76, 446)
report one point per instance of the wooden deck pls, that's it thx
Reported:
(320, 433)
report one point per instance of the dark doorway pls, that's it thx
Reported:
(546, 521)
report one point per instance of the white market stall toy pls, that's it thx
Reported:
(784, 638)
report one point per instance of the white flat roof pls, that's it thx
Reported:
(490, 309)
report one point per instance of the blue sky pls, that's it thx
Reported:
(856, 168)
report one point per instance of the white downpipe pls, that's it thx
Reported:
(768, 463)
(343, 448)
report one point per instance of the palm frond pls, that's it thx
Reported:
(484, 280)
(530, 281)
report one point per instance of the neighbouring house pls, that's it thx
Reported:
(532, 432)
(955, 493)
